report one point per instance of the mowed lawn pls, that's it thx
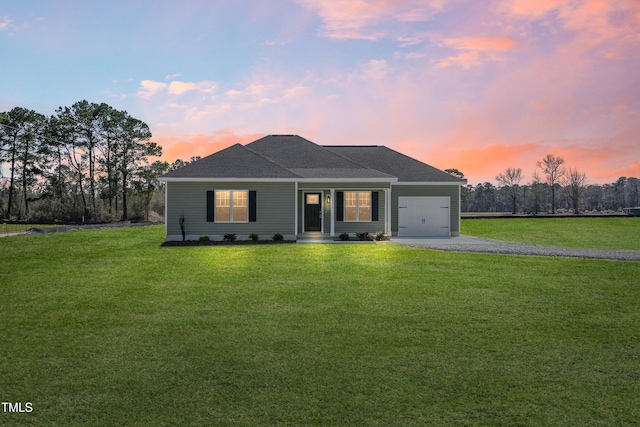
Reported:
(105, 327)
(581, 232)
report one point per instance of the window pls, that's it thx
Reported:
(231, 206)
(357, 206)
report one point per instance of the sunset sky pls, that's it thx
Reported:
(476, 85)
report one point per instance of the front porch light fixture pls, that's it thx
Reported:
(328, 199)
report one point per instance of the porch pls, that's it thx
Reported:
(324, 213)
(319, 237)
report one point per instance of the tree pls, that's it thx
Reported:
(574, 183)
(455, 172)
(20, 131)
(132, 151)
(553, 169)
(32, 154)
(511, 178)
(146, 183)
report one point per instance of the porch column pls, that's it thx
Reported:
(295, 207)
(333, 214)
(387, 210)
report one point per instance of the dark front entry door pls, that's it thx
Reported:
(312, 210)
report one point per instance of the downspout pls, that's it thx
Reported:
(166, 210)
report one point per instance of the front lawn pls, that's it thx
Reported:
(586, 232)
(105, 327)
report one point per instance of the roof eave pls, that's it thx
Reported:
(431, 182)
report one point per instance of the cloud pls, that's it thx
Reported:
(464, 60)
(592, 21)
(376, 69)
(481, 43)
(149, 88)
(358, 19)
(5, 23)
(477, 50)
(296, 92)
(172, 76)
(200, 144)
(178, 88)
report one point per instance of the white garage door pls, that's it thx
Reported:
(424, 216)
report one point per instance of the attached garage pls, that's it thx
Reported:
(424, 217)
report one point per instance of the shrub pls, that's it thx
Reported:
(344, 236)
(380, 236)
(181, 221)
(229, 237)
(204, 238)
(363, 236)
(277, 237)
(254, 237)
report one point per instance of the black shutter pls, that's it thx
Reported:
(339, 206)
(211, 205)
(374, 206)
(252, 206)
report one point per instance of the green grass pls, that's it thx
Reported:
(105, 327)
(594, 233)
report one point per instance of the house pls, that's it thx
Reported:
(289, 185)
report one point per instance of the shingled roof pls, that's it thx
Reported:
(293, 157)
(310, 160)
(234, 162)
(405, 168)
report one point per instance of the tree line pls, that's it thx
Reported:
(85, 163)
(554, 187)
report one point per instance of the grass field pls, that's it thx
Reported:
(587, 232)
(105, 327)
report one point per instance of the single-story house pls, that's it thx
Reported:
(287, 184)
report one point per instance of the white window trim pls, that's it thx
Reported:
(344, 213)
(215, 207)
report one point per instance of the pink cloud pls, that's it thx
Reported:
(5, 22)
(190, 145)
(357, 19)
(594, 21)
(178, 88)
(464, 60)
(477, 50)
(481, 43)
(149, 88)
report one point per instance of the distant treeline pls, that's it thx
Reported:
(85, 163)
(553, 187)
(536, 197)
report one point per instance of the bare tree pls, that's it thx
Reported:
(553, 169)
(511, 178)
(575, 186)
(536, 191)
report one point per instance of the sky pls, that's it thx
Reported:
(475, 85)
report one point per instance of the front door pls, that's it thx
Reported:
(312, 212)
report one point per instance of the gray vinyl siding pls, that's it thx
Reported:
(452, 191)
(275, 211)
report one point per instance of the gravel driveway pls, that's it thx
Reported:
(477, 244)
